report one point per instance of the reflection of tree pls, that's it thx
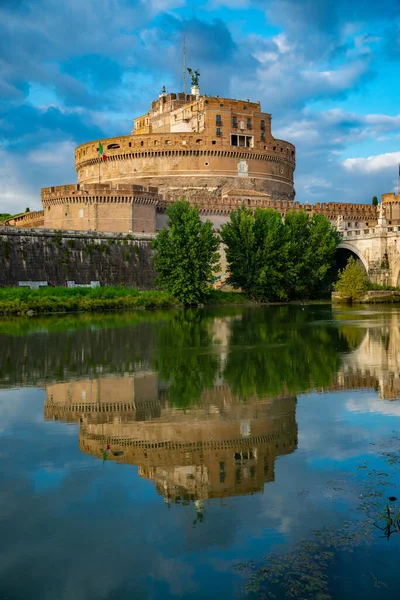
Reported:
(184, 357)
(282, 350)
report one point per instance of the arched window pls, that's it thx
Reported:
(112, 146)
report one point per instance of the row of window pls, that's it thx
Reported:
(249, 125)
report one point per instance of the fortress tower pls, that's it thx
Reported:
(195, 146)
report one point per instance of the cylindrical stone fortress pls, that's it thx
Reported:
(199, 148)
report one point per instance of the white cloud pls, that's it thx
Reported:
(372, 164)
(52, 154)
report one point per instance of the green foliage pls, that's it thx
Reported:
(311, 246)
(186, 254)
(255, 252)
(275, 350)
(4, 217)
(271, 260)
(49, 299)
(27, 209)
(184, 357)
(374, 201)
(352, 282)
(60, 299)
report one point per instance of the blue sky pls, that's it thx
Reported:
(327, 71)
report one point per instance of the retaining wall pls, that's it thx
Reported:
(60, 256)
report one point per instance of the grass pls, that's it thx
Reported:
(19, 301)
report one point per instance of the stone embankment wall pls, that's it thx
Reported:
(57, 257)
(370, 297)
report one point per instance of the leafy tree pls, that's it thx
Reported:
(271, 260)
(27, 209)
(186, 254)
(352, 282)
(4, 216)
(310, 249)
(255, 252)
(374, 201)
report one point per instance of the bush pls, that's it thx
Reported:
(352, 282)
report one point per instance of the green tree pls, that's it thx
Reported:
(352, 282)
(255, 252)
(186, 254)
(27, 209)
(374, 201)
(310, 249)
(271, 260)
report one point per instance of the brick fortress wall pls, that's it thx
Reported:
(57, 257)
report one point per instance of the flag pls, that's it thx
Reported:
(101, 151)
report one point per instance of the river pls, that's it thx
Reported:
(214, 453)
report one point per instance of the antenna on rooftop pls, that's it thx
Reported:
(184, 63)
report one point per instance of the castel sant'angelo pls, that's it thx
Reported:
(215, 152)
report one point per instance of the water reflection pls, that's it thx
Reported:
(219, 447)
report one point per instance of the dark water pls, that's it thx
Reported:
(157, 455)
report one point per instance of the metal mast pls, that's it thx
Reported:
(184, 63)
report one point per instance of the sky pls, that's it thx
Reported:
(75, 71)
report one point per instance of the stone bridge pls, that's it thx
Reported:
(378, 248)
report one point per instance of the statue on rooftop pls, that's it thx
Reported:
(382, 211)
(194, 75)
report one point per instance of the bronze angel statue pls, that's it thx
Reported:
(194, 75)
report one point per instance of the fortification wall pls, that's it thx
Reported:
(114, 208)
(56, 257)
(191, 165)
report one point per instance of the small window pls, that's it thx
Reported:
(142, 143)
(130, 144)
(112, 146)
(274, 148)
(263, 137)
(218, 131)
(222, 466)
(167, 141)
(234, 121)
(222, 477)
(81, 212)
(218, 120)
(198, 141)
(155, 142)
(249, 123)
(214, 142)
(234, 140)
(221, 106)
(262, 125)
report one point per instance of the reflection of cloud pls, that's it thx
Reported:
(372, 404)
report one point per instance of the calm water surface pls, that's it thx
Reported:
(159, 455)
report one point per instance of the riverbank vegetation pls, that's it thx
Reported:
(272, 260)
(20, 301)
(186, 256)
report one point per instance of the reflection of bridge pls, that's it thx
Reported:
(376, 361)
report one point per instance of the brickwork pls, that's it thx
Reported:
(55, 257)
(198, 147)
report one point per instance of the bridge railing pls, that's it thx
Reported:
(369, 231)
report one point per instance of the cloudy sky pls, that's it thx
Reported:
(80, 70)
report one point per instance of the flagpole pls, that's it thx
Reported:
(100, 159)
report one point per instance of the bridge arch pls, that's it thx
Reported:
(354, 250)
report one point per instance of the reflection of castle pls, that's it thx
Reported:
(220, 447)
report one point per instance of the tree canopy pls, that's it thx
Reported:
(352, 282)
(374, 201)
(272, 260)
(186, 254)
